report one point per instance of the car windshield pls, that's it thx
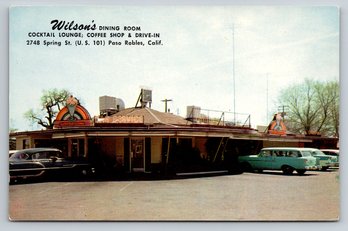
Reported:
(19, 156)
(306, 153)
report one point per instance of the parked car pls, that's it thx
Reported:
(285, 159)
(332, 152)
(324, 161)
(10, 152)
(37, 162)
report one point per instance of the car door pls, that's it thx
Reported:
(266, 160)
(279, 158)
(55, 163)
(43, 158)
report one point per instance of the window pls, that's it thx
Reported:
(40, 155)
(306, 153)
(25, 144)
(266, 153)
(77, 148)
(45, 155)
(294, 154)
(20, 156)
(278, 153)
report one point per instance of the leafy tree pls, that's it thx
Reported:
(313, 107)
(52, 101)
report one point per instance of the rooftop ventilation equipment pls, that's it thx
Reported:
(109, 105)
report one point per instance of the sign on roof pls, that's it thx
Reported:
(121, 120)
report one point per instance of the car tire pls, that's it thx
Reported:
(84, 172)
(287, 170)
(246, 167)
(87, 172)
(301, 171)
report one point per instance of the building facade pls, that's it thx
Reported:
(141, 139)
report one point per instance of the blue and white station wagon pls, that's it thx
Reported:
(323, 161)
(286, 159)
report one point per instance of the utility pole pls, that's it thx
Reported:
(267, 119)
(233, 74)
(165, 104)
(234, 79)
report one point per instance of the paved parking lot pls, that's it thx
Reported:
(249, 196)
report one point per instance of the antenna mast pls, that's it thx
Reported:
(165, 104)
(234, 79)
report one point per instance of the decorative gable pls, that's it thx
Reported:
(72, 115)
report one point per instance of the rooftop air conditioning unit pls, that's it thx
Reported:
(109, 105)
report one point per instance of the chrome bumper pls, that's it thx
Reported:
(312, 167)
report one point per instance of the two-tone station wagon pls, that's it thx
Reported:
(334, 153)
(323, 161)
(286, 159)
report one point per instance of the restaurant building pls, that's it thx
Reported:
(141, 139)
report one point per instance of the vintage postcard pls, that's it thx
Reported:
(174, 113)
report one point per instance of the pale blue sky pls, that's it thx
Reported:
(193, 67)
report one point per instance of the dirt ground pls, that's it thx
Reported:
(269, 196)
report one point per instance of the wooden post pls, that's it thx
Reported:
(69, 147)
(86, 146)
(167, 157)
(168, 149)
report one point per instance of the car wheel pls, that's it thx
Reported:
(84, 172)
(301, 171)
(246, 167)
(287, 170)
(324, 168)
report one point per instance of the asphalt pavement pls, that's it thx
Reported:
(268, 196)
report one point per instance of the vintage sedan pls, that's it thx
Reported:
(37, 162)
(324, 161)
(10, 152)
(285, 159)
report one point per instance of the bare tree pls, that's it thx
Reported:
(313, 107)
(334, 113)
(52, 101)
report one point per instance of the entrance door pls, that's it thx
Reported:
(137, 155)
